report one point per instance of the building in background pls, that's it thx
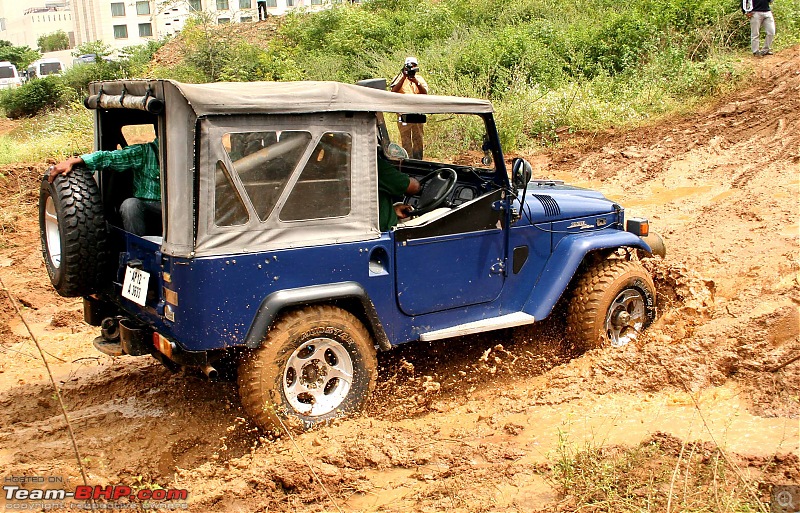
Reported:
(125, 23)
(121, 23)
(23, 22)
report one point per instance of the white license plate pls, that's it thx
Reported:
(135, 285)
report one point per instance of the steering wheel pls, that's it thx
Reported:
(437, 186)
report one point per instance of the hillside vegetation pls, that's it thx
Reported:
(550, 66)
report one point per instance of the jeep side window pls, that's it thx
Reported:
(323, 188)
(264, 161)
(229, 210)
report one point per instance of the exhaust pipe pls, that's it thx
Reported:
(210, 372)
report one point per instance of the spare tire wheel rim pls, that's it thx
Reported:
(318, 377)
(52, 233)
(625, 318)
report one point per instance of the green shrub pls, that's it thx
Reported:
(58, 40)
(34, 97)
(787, 19)
(19, 56)
(77, 77)
(549, 66)
(52, 136)
(98, 48)
(209, 47)
(135, 60)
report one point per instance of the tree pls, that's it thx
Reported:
(58, 40)
(19, 56)
(135, 60)
(98, 48)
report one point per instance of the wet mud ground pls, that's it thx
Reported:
(481, 423)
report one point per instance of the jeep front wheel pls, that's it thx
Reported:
(612, 303)
(315, 364)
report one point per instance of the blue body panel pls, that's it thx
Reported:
(220, 296)
(563, 263)
(451, 271)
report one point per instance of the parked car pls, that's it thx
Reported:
(270, 253)
(9, 77)
(84, 59)
(44, 67)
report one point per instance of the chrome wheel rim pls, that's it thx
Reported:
(52, 233)
(318, 377)
(626, 317)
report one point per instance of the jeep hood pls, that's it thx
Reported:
(558, 202)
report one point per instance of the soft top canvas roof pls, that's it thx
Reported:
(301, 97)
(290, 97)
(210, 110)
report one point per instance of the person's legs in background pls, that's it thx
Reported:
(755, 32)
(405, 137)
(417, 140)
(769, 29)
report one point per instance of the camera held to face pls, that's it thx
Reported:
(410, 69)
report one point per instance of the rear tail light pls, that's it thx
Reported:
(163, 345)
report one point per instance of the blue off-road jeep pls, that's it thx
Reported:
(269, 253)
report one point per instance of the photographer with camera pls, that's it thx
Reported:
(410, 125)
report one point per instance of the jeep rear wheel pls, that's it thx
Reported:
(315, 364)
(612, 303)
(73, 232)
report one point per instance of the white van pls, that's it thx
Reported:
(9, 76)
(44, 67)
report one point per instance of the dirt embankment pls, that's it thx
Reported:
(487, 422)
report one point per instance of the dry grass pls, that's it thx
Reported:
(665, 474)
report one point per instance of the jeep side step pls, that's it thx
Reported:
(494, 323)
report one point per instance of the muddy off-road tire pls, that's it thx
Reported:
(73, 232)
(315, 364)
(612, 302)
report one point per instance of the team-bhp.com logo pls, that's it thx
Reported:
(44, 493)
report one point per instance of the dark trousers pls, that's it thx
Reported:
(141, 217)
(262, 7)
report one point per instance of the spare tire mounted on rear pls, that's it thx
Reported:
(73, 232)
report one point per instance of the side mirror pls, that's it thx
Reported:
(486, 147)
(395, 151)
(521, 173)
(374, 83)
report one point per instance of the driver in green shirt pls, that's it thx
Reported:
(142, 161)
(393, 185)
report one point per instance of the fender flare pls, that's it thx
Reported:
(278, 301)
(565, 260)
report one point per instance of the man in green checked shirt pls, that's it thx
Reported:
(142, 161)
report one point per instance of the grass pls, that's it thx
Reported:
(50, 137)
(662, 473)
